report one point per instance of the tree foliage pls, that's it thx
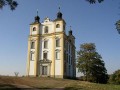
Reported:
(94, 1)
(11, 3)
(115, 77)
(90, 63)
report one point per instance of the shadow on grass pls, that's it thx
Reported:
(8, 87)
(73, 88)
(13, 87)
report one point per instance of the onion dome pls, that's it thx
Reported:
(59, 14)
(37, 18)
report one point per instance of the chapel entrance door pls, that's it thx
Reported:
(44, 70)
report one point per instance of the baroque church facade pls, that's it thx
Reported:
(51, 52)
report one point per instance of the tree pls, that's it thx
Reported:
(115, 77)
(94, 1)
(16, 74)
(90, 63)
(13, 4)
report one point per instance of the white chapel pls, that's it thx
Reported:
(51, 52)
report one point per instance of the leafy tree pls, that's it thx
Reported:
(115, 77)
(94, 1)
(13, 4)
(90, 63)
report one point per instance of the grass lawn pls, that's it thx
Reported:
(49, 83)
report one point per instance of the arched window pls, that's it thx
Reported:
(57, 42)
(32, 56)
(32, 45)
(58, 26)
(45, 44)
(45, 55)
(34, 29)
(46, 29)
(57, 54)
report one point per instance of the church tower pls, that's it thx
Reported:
(50, 51)
(33, 47)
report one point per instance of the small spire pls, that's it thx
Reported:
(37, 12)
(59, 14)
(70, 27)
(70, 32)
(59, 8)
(37, 18)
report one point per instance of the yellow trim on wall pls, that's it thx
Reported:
(36, 56)
(53, 58)
(62, 55)
(28, 57)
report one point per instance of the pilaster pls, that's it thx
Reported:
(28, 57)
(62, 55)
(37, 45)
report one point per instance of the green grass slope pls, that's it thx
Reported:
(50, 83)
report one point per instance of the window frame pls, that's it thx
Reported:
(46, 29)
(45, 44)
(57, 55)
(33, 45)
(32, 56)
(44, 70)
(34, 29)
(57, 42)
(57, 25)
(46, 56)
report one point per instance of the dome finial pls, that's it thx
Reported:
(70, 32)
(59, 8)
(37, 12)
(59, 14)
(70, 27)
(37, 18)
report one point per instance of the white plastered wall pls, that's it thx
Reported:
(31, 72)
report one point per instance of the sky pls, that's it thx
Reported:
(91, 23)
